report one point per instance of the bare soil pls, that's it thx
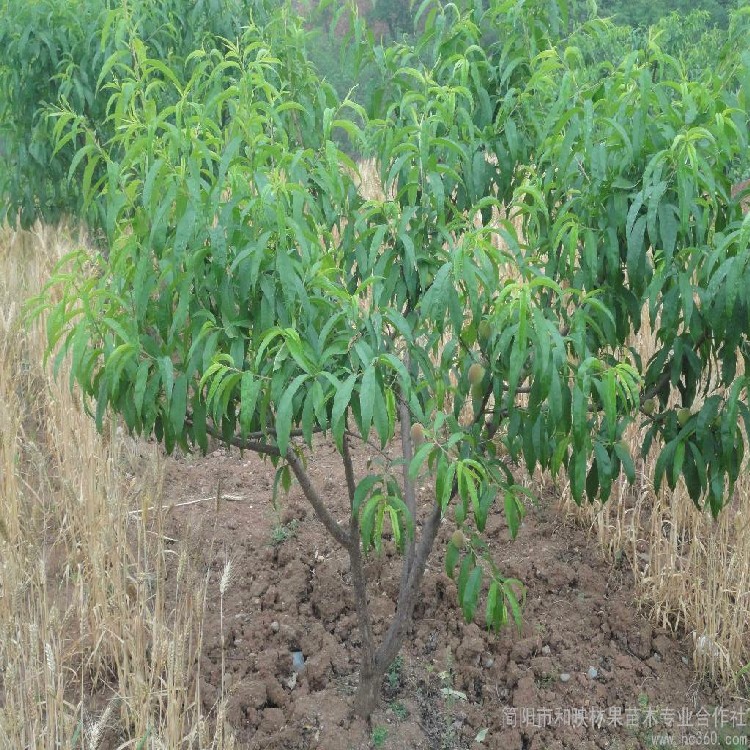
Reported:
(587, 670)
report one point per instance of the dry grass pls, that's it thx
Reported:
(92, 652)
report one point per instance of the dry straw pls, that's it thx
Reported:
(95, 651)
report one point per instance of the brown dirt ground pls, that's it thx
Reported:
(290, 591)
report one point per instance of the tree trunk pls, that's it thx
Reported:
(368, 691)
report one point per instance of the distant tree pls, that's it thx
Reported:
(55, 51)
(644, 13)
(397, 15)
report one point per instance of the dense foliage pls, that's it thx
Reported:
(644, 13)
(251, 292)
(60, 53)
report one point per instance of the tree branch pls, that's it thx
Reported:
(351, 482)
(368, 442)
(333, 526)
(410, 496)
(272, 431)
(359, 578)
(256, 446)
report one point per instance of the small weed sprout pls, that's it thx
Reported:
(393, 676)
(379, 736)
(282, 532)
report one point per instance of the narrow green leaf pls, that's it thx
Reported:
(139, 389)
(341, 401)
(471, 594)
(512, 516)
(363, 489)
(249, 390)
(284, 413)
(419, 458)
(515, 607)
(369, 391)
(451, 559)
(178, 405)
(467, 565)
(367, 520)
(397, 504)
(167, 375)
(490, 616)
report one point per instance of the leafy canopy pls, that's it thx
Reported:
(536, 208)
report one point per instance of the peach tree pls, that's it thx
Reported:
(476, 316)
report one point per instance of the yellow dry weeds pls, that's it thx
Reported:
(92, 653)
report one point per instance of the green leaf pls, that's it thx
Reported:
(577, 472)
(512, 599)
(319, 404)
(452, 554)
(308, 417)
(481, 512)
(444, 476)
(139, 388)
(249, 391)
(198, 417)
(341, 401)
(491, 614)
(627, 462)
(471, 594)
(592, 481)
(298, 351)
(367, 520)
(419, 458)
(101, 403)
(178, 406)
(369, 391)
(284, 413)
(381, 417)
(399, 506)
(390, 403)
(167, 376)
(679, 458)
(364, 487)
(609, 398)
(398, 537)
(513, 512)
(467, 565)
(662, 462)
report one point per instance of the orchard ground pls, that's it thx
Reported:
(584, 652)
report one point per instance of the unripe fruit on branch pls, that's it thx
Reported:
(417, 434)
(458, 539)
(485, 330)
(683, 415)
(649, 406)
(476, 374)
